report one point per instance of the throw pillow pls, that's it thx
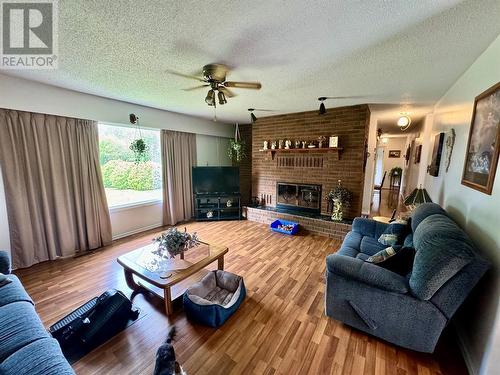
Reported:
(4, 280)
(401, 263)
(394, 233)
(382, 255)
(395, 258)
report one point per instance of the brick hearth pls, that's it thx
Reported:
(312, 225)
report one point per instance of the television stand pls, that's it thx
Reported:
(217, 206)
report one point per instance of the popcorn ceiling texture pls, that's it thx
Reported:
(388, 51)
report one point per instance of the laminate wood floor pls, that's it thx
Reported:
(279, 329)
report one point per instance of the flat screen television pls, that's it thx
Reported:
(216, 180)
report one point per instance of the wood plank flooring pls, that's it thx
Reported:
(279, 329)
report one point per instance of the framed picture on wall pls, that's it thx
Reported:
(394, 153)
(418, 154)
(433, 169)
(481, 158)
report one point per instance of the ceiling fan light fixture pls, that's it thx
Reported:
(210, 99)
(222, 98)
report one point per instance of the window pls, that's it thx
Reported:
(128, 181)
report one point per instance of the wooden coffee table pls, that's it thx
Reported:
(169, 278)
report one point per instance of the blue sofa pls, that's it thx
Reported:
(409, 311)
(25, 346)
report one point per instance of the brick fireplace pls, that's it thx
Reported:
(314, 167)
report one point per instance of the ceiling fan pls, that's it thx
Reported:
(214, 76)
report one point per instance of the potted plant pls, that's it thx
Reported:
(396, 171)
(138, 145)
(172, 242)
(237, 147)
(340, 198)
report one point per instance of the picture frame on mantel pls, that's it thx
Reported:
(481, 158)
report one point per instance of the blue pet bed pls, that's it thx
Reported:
(213, 299)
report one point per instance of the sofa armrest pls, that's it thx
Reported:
(368, 273)
(368, 227)
(4, 262)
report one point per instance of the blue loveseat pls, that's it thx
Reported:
(25, 346)
(412, 310)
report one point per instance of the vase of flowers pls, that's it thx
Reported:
(339, 197)
(173, 242)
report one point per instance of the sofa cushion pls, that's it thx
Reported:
(363, 256)
(443, 249)
(4, 280)
(353, 239)
(370, 246)
(423, 211)
(19, 326)
(395, 233)
(348, 251)
(13, 292)
(41, 357)
(4, 262)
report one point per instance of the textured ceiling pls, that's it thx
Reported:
(387, 51)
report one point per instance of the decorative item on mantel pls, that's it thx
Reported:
(297, 144)
(321, 140)
(333, 141)
(288, 144)
(273, 145)
(340, 197)
(266, 146)
(172, 243)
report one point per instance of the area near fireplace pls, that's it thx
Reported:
(315, 167)
(298, 197)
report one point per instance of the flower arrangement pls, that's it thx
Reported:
(174, 242)
(341, 194)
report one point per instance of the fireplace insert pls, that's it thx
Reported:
(298, 197)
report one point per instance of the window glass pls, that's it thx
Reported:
(128, 178)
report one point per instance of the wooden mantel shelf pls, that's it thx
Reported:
(336, 150)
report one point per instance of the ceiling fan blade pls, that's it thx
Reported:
(345, 97)
(185, 75)
(243, 85)
(227, 92)
(195, 88)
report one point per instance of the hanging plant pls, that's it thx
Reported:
(237, 147)
(138, 145)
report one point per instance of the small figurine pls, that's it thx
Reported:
(303, 144)
(280, 144)
(321, 140)
(273, 145)
(297, 144)
(288, 144)
(265, 145)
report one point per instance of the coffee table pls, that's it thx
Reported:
(169, 278)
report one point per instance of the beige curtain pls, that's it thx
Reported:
(55, 197)
(178, 157)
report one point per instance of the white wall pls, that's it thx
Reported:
(478, 322)
(370, 165)
(212, 151)
(20, 94)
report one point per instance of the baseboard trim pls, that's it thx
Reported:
(135, 231)
(465, 352)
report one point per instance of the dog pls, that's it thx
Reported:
(165, 358)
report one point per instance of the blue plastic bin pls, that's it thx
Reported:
(274, 227)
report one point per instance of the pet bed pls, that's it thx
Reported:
(213, 299)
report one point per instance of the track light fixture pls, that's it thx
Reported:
(210, 99)
(252, 116)
(322, 108)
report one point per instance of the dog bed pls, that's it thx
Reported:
(213, 299)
